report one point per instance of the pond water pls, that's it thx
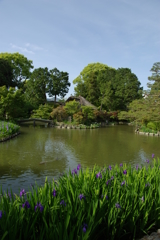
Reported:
(62, 149)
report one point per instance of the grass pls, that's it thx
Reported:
(7, 129)
(115, 202)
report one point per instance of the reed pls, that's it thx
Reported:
(115, 202)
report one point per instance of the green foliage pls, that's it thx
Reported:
(88, 114)
(146, 109)
(36, 87)
(83, 79)
(100, 115)
(59, 114)
(105, 86)
(44, 112)
(7, 129)
(80, 205)
(6, 74)
(152, 126)
(72, 107)
(12, 103)
(20, 65)
(58, 83)
(113, 115)
(78, 117)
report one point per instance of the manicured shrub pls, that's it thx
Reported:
(59, 114)
(44, 111)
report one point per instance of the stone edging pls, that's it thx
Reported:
(147, 133)
(9, 137)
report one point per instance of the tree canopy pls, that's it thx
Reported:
(6, 74)
(58, 83)
(20, 65)
(148, 108)
(103, 85)
(36, 87)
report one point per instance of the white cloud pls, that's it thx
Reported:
(33, 47)
(23, 49)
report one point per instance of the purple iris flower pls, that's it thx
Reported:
(136, 167)
(147, 161)
(0, 214)
(121, 164)
(112, 177)
(22, 193)
(99, 175)
(84, 227)
(122, 183)
(39, 205)
(107, 197)
(152, 155)
(108, 182)
(81, 196)
(54, 193)
(26, 204)
(110, 167)
(125, 172)
(117, 205)
(74, 171)
(79, 166)
(147, 185)
(62, 203)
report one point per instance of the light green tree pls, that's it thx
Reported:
(21, 67)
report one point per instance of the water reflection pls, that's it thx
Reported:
(61, 149)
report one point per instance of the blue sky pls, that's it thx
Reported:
(70, 34)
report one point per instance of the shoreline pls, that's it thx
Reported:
(9, 137)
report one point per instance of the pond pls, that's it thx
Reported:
(62, 149)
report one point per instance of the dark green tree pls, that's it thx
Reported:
(12, 103)
(36, 87)
(21, 67)
(58, 83)
(6, 74)
(148, 108)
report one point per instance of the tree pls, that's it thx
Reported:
(12, 103)
(146, 109)
(58, 83)
(20, 65)
(105, 83)
(127, 88)
(85, 77)
(6, 74)
(36, 87)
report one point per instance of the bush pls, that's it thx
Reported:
(72, 107)
(59, 114)
(100, 115)
(78, 117)
(44, 111)
(152, 126)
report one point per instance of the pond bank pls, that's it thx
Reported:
(9, 137)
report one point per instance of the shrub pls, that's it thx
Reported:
(72, 107)
(100, 115)
(78, 117)
(88, 114)
(59, 114)
(152, 126)
(44, 111)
